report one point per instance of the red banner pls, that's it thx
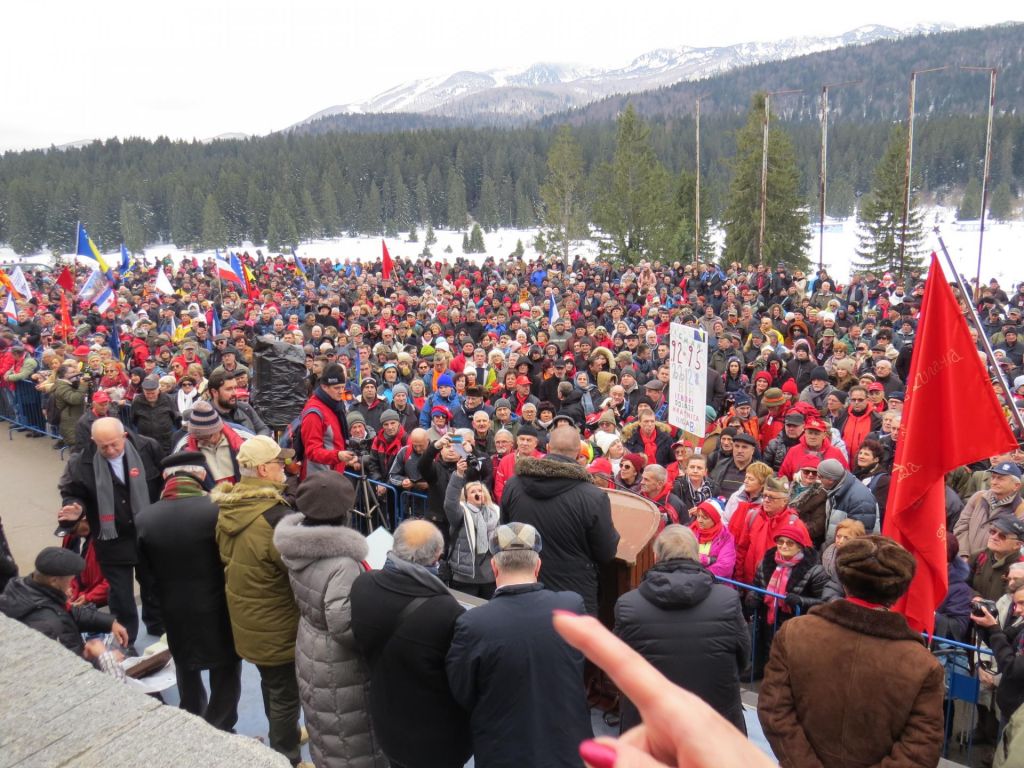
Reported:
(951, 417)
(388, 263)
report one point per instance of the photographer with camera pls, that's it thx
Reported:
(70, 393)
(472, 519)
(1007, 646)
(436, 467)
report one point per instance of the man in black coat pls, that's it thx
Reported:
(129, 469)
(39, 601)
(403, 619)
(521, 683)
(555, 496)
(687, 626)
(177, 542)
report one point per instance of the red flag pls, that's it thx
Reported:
(951, 417)
(388, 263)
(65, 314)
(66, 280)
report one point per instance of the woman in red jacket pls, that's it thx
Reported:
(756, 534)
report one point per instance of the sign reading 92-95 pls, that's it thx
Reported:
(688, 377)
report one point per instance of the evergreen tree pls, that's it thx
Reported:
(685, 214)
(26, 218)
(881, 215)
(329, 216)
(183, 232)
(372, 222)
(311, 226)
(488, 207)
(413, 237)
(422, 202)
(257, 208)
(436, 197)
(519, 251)
(61, 217)
(429, 238)
(476, 240)
(562, 193)
(632, 206)
(1000, 204)
(970, 204)
(456, 199)
(841, 200)
(281, 229)
(133, 231)
(215, 230)
(786, 233)
(466, 247)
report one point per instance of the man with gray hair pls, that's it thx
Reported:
(687, 626)
(403, 618)
(520, 682)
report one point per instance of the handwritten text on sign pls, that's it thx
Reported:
(688, 377)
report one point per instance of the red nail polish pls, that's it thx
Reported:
(598, 755)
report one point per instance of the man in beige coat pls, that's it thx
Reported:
(1002, 498)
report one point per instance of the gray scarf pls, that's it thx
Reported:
(138, 490)
(418, 573)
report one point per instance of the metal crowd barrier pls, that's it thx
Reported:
(22, 408)
(371, 510)
(411, 504)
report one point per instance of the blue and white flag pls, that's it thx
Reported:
(553, 310)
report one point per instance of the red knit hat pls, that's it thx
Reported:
(808, 461)
(763, 375)
(796, 531)
(638, 460)
(600, 466)
(789, 386)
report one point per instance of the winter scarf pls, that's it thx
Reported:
(778, 583)
(480, 524)
(707, 535)
(381, 444)
(182, 487)
(650, 445)
(234, 440)
(421, 574)
(137, 489)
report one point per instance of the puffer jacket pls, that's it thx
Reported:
(44, 609)
(634, 442)
(323, 561)
(776, 451)
(264, 618)
(467, 564)
(557, 497)
(851, 498)
(692, 630)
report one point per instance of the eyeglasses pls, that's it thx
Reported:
(1000, 535)
(811, 472)
(775, 497)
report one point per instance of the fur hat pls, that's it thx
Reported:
(875, 568)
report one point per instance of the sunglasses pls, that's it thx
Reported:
(999, 534)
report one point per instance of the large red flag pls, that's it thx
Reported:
(951, 417)
(66, 280)
(388, 263)
(65, 316)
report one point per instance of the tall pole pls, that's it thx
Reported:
(764, 169)
(909, 164)
(988, 162)
(764, 180)
(823, 170)
(696, 194)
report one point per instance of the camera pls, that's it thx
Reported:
(988, 605)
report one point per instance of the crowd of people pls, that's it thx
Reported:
(489, 404)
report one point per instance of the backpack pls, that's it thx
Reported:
(292, 435)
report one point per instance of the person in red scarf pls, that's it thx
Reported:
(791, 569)
(385, 447)
(716, 548)
(654, 485)
(521, 396)
(651, 438)
(858, 421)
(755, 534)
(771, 424)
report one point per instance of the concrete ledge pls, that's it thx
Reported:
(56, 710)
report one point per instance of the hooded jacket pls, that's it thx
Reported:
(264, 617)
(574, 517)
(634, 442)
(691, 630)
(323, 561)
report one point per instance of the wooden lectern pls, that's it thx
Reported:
(637, 520)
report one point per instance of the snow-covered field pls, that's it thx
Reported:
(1003, 256)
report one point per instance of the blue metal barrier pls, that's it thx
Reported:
(386, 505)
(22, 409)
(411, 504)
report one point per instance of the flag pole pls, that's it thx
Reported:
(1018, 418)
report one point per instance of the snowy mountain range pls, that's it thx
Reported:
(544, 88)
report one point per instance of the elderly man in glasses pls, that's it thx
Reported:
(990, 568)
(1001, 499)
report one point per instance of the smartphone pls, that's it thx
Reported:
(455, 438)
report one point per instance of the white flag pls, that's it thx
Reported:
(20, 283)
(163, 283)
(10, 309)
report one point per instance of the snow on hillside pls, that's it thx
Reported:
(1003, 256)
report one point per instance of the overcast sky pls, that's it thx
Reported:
(71, 70)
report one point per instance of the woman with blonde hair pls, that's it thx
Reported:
(846, 530)
(749, 494)
(472, 519)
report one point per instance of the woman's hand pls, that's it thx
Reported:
(678, 728)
